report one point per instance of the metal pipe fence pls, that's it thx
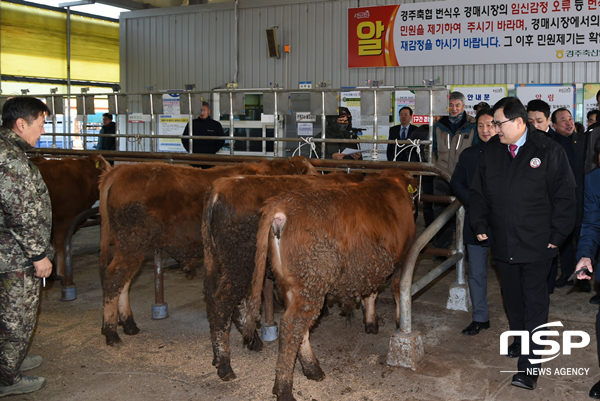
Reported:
(141, 126)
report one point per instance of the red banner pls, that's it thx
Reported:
(371, 37)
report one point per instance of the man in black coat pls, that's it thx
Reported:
(538, 114)
(405, 130)
(524, 191)
(108, 127)
(204, 126)
(574, 145)
(477, 252)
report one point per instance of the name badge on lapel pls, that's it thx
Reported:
(535, 162)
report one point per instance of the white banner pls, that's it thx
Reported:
(589, 100)
(171, 125)
(556, 96)
(475, 94)
(474, 32)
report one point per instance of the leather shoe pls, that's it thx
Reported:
(595, 391)
(475, 327)
(514, 350)
(562, 281)
(584, 285)
(595, 300)
(522, 380)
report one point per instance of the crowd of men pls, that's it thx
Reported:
(522, 172)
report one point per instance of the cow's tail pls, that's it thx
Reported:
(210, 281)
(258, 279)
(106, 181)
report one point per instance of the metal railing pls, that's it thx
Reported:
(145, 136)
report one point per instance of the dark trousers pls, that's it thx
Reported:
(525, 294)
(566, 255)
(19, 300)
(478, 263)
(443, 239)
(427, 188)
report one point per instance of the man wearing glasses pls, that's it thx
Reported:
(524, 191)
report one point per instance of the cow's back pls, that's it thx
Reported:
(354, 235)
(72, 183)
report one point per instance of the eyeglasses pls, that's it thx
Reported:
(498, 124)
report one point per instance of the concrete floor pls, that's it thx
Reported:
(171, 359)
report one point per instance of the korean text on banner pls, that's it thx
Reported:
(469, 32)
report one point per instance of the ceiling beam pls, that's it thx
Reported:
(128, 4)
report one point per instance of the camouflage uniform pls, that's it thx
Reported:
(25, 225)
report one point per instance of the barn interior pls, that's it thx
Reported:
(170, 359)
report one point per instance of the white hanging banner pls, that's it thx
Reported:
(469, 32)
(475, 94)
(557, 96)
(171, 125)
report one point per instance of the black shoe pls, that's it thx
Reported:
(584, 285)
(524, 381)
(475, 327)
(595, 300)
(514, 350)
(595, 391)
(562, 281)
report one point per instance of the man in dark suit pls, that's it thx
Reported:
(524, 192)
(574, 145)
(403, 131)
(204, 125)
(406, 131)
(538, 114)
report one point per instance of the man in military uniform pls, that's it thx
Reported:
(25, 250)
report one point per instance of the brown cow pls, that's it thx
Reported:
(158, 206)
(229, 228)
(73, 186)
(345, 241)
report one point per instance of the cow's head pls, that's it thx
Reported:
(404, 178)
(303, 166)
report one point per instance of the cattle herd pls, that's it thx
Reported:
(317, 235)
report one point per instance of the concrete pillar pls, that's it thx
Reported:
(406, 350)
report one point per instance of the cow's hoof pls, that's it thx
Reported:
(255, 343)
(314, 373)
(129, 326)
(131, 330)
(286, 397)
(226, 373)
(372, 328)
(112, 339)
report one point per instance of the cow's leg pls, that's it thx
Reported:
(310, 365)
(115, 278)
(58, 263)
(240, 317)
(224, 291)
(370, 318)
(294, 325)
(125, 314)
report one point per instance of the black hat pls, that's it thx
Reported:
(482, 105)
(344, 112)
